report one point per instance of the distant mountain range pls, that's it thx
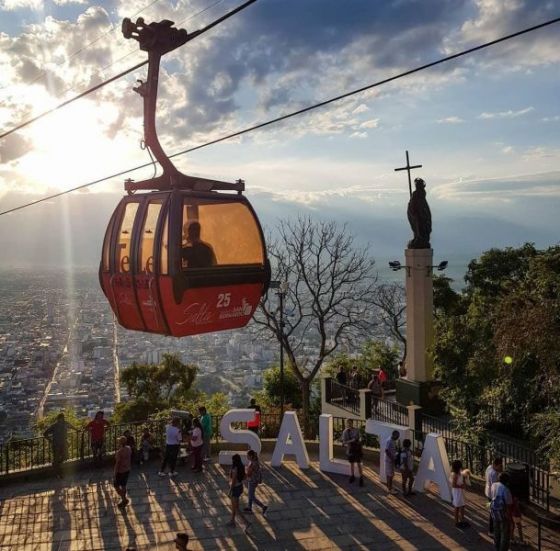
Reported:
(68, 231)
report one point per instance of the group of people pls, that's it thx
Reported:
(505, 513)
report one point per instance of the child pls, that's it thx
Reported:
(407, 468)
(146, 446)
(458, 493)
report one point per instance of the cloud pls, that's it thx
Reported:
(360, 109)
(555, 118)
(492, 19)
(360, 135)
(372, 123)
(12, 147)
(506, 114)
(507, 149)
(451, 120)
(12, 5)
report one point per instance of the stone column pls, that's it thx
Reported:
(419, 313)
(418, 387)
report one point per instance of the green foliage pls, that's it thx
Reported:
(372, 356)
(508, 310)
(272, 387)
(545, 429)
(378, 355)
(153, 388)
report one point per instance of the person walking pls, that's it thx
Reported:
(236, 477)
(500, 509)
(458, 493)
(197, 444)
(206, 422)
(390, 459)
(131, 443)
(351, 440)
(123, 462)
(491, 476)
(173, 439)
(96, 429)
(254, 478)
(57, 433)
(407, 468)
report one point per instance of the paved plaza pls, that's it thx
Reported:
(308, 510)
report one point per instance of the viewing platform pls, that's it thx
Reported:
(309, 510)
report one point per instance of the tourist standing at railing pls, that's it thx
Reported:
(146, 445)
(57, 433)
(206, 422)
(407, 468)
(123, 463)
(458, 483)
(173, 439)
(491, 476)
(500, 509)
(383, 378)
(341, 378)
(352, 441)
(376, 391)
(96, 429)
(197, 442)
(255, 423)
(390, 457)
(354, 378)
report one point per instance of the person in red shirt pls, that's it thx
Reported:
(96, 429)
(255, 423)
(382, 376)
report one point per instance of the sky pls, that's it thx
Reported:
(485, 127)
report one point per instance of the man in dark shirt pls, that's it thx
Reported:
(58, 432)
(197, 253)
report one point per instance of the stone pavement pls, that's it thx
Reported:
(308, 510)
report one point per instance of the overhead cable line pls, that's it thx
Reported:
(294, 113)
(122, 74)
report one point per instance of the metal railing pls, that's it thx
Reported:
(547, 538)
(388, 411)
(477, 457)
(342, 396)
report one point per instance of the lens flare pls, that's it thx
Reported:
(508, 360)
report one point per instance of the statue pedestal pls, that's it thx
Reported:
(417, 387)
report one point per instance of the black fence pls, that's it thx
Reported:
(388, 411)
(342, 396)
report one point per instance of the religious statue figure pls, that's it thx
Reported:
(419, 217)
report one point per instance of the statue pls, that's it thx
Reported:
(419, 217)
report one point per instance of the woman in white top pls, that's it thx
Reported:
(196, 445)
(458, 493)
(173, 438)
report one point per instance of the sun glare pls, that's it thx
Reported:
(72, 147)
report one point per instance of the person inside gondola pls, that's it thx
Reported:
(196, 253)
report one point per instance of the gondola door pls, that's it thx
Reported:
(148, 265)
(121, 282)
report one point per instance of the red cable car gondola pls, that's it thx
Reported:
(185, 258)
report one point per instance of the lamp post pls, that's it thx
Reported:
(282, 289)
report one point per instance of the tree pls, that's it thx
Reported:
(153, 387)
(378, 355)
(273, 387)
(330, 291)
(390, 299)
(500, 340)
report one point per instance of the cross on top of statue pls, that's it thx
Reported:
(408, 168)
